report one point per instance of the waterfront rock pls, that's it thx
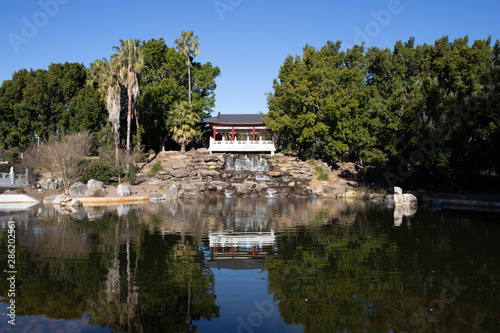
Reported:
(78, 189)
(244, 187)
(261, 186)
(124, 190)
(155, 196)
(95, 186)
(219, 185)
(172, 192)
(58, 199)
(49, 200)
(409, 200)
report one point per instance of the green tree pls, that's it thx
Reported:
(183, 123)
(162, 83)
(130, 60)
(188, 46)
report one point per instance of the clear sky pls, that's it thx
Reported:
(247, 39)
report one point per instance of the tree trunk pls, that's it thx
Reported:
(117, 146)
(189, 79)
(136, 115)
(129, 118)
(183, 147)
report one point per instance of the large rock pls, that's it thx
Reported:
(78, 189)
(180, 173)
(95, 186)
(209, 173)
(211, 158)
(203, 151)
(172, 192)
(244, 188)
(155, 196)
(124, 190)
(409, 200)
(178, 166)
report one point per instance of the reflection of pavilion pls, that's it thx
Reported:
(240, 250)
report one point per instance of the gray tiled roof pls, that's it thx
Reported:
(233, 119)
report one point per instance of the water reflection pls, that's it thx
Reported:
(312, 265)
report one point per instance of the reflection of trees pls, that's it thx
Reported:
(367, 275)
(113, 269)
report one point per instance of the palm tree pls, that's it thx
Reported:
(183, 121)
(130, 60)
(102, 73)
(188, 46)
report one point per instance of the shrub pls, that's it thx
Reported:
(97, 192)
(132, 175)
(11, 157)
(321, 174)
(155, 168)
(96, 170)
(5, 168)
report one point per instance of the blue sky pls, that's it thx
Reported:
(247, 39)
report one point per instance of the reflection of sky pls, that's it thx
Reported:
(245, 305)
(41, 324)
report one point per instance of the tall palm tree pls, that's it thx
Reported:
(188, 46)
(130, 60)
(183, 121)
(106, 76)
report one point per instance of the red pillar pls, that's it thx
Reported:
(233, 133)
(253, 133)
(215, 132)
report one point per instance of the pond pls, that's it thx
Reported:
(249, 265)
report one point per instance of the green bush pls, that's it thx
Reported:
(132, 175)
(5, 168)
(321, 174)
(11, 157)
(96, 170)
(155, 168)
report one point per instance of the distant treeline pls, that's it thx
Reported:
(430, 112)
(67, 98)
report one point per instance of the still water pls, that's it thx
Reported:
(250, 265)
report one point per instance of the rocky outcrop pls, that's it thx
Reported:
(199, 174)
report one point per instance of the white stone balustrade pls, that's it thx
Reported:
(247, 146)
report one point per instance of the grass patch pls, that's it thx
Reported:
(97, 193)
(155, 168)
(321, 173)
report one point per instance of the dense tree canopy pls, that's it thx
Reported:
(69, 97)
(427, 110)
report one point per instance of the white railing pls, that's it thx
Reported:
(242, 146)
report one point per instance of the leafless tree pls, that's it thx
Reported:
(62, 156)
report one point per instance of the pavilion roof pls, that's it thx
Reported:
(236, 119)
